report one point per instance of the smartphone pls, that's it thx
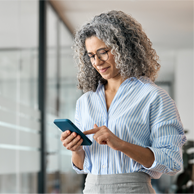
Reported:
(66, 124)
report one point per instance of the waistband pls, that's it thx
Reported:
(134, 177)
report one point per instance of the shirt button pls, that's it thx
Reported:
(103, 166)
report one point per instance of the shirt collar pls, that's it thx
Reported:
(145, 79)
(142, 79)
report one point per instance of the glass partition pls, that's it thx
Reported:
(19, 115)
(61, 99)
(52, 134)
(71, 182)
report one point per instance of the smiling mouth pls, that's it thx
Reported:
(103, 70)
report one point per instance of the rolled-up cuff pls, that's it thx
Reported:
(158, 166)
(85, 167)
(77, 170)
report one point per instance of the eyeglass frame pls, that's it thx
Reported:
(93, 56)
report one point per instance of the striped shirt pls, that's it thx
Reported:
(141, 113)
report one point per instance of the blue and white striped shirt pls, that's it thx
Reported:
(141, 113)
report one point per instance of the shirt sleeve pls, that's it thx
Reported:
(86, 165)
(167, 135)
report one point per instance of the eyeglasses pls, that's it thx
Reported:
(102, 54)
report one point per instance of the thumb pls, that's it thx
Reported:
(95, 125)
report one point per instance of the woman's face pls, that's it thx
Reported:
(107, 69)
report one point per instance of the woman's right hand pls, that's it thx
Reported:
(71, 141)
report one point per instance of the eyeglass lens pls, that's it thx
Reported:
(102, 54)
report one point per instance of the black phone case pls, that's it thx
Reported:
(66, 124)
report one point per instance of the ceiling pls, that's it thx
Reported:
(169, 24)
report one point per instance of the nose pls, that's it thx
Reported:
(97, 61)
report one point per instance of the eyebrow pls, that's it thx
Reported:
(98, 50)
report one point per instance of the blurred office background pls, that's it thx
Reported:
(38, 85)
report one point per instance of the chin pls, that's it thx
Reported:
(106, 77)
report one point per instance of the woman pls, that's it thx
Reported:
(134, 124)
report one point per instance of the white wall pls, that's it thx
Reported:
(184, 89)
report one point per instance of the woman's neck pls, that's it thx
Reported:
(114, 84)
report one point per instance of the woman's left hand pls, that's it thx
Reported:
(103, 135)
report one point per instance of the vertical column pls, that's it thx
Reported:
(42, 93)
(58, 66)
(184, 89)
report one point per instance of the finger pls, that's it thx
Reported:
(101, 139)
(95, 125)
(65, 134)
(77, 145)
(74, 141)
(100, 132)
(69, 138)
(91, 131)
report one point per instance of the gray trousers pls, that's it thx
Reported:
(137, 182)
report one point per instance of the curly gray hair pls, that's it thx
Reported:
(132, 49)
